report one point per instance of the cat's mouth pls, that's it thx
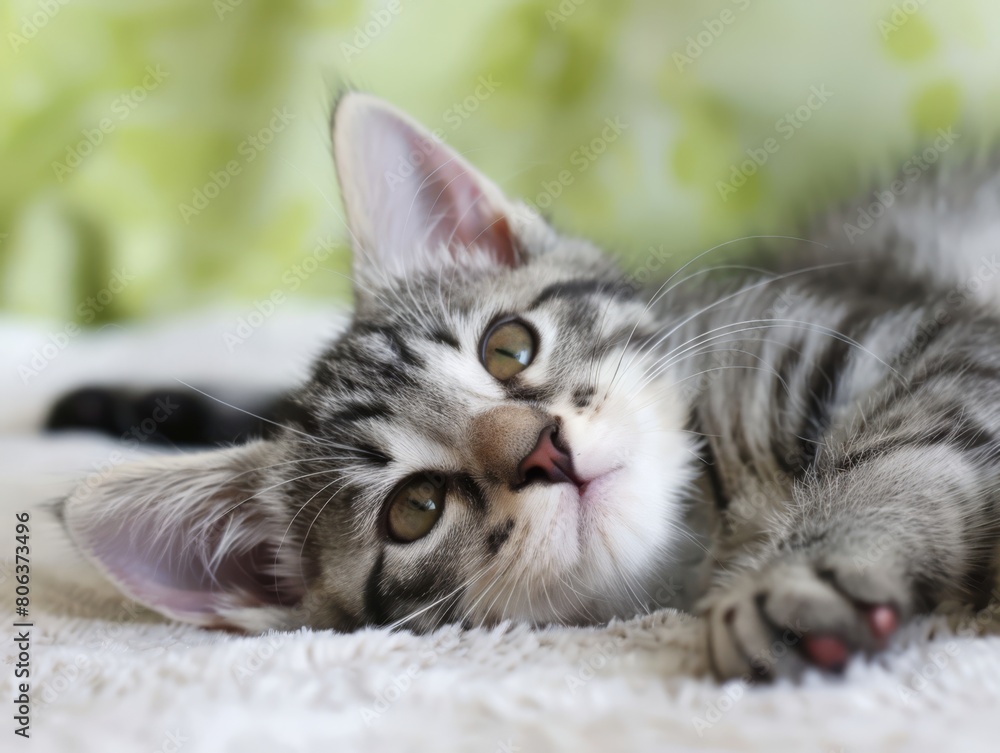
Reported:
(592, 491)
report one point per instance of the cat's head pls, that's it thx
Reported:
(488, 439)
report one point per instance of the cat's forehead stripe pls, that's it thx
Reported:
(579, 289)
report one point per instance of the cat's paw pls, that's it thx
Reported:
(777, 621)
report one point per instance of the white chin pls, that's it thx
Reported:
(627, 517)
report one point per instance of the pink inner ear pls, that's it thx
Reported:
(456, 201)
(170, 572)
(484, 228)
(405, 190)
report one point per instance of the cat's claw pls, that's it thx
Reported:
(781, 620)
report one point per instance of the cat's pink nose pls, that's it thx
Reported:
(549, 462)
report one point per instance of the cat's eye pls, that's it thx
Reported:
(508, 349)
(414, 509)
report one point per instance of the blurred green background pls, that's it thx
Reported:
(119, 119)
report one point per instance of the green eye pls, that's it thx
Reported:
(415, 508)
(508, 349)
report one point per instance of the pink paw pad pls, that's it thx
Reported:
(882, 621)
(831, 653)
(826, 652)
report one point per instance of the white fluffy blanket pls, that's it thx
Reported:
(107, 676)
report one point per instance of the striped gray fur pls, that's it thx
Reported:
(828, 434)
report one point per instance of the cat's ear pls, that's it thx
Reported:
(194, 538)
(412, 202)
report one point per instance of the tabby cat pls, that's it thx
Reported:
(510, 429)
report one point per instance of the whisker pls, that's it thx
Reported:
(742, 291)
(318, 440)
(416, 613)
(656, 295)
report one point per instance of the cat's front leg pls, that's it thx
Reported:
(848, 559)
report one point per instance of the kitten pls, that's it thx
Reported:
(509, 430)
